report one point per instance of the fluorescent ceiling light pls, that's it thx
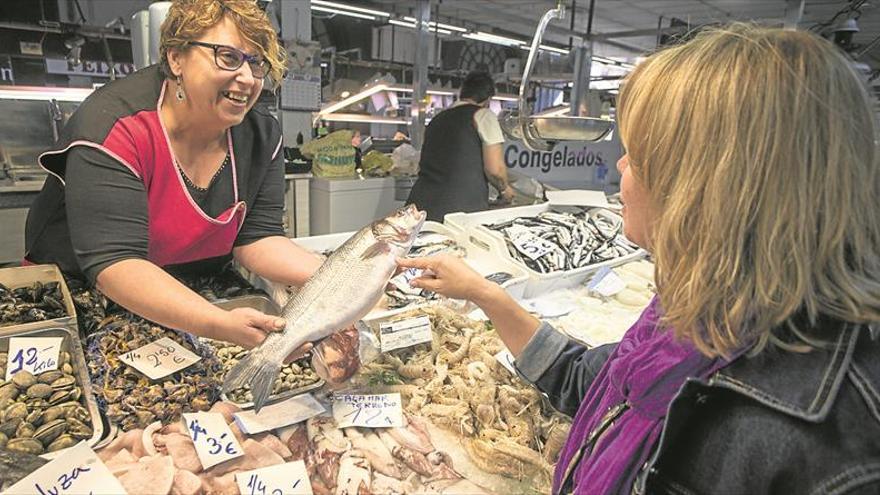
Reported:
(44, 93)
(549, 48)
(343, 12)
(324, 3)
(401, 23)
(505, 98)
(493, 38)
(356, 117)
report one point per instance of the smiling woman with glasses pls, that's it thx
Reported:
(174, 171)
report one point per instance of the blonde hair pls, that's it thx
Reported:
(188, 19)
(758, 150)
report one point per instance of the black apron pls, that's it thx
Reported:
(451, 177)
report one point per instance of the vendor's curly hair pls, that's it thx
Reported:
(758, 149)
(188, 19)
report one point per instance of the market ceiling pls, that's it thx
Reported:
(519, 17)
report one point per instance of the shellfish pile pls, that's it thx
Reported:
(293, 376)
(554, 241)
(42, 413)
(458, 384)
(36, 302)
(130, 399)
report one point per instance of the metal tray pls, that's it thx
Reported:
(22, 276)
(267, 306)
(72, 345)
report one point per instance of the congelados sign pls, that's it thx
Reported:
(571, 160)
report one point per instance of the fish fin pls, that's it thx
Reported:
(375, 250)
(254, 370)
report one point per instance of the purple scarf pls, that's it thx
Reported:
(646, 370)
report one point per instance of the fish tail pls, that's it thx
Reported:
(256, 371)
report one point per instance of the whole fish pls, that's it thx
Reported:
(341, 292)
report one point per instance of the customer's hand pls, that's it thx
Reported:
(248, 328)
(446, 275)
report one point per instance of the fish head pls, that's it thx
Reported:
(401, 227)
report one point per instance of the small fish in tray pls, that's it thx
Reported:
(35, 302)
(554, 241)
(130, 399)
(293, 379)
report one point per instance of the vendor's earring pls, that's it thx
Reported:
(180, 95)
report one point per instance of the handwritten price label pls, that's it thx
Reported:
(402, 280)
(160, 358)
(212, 438)
(78, 470)
(369, 411)
(283, 479)
(33, 354)
(528, 243)
(404, 333)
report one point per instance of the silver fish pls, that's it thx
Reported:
(341, 292)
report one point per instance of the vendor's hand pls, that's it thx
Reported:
(446, 275)
(248, 328)
(507, 195)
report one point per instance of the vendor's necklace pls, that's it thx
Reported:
(191, 184)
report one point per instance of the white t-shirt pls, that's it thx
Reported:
(487, 125)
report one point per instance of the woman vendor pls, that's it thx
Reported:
(176, 168)
(752, 177)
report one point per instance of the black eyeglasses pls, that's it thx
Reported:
(231, 59)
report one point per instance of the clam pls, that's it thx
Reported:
(25, 430)
(67, 369)
(48, 377)
(3, 440)
(51, 414)
(62, 442)
(8, 391)
(23, 379)
(50, 431)
(60, 396)
(8, 427)
(39, 391)
(79, 413)
(35, 417)
(16, 411)
(66, 382)
(63, 358)
(25, 446)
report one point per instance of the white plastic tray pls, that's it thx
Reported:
(478, 238)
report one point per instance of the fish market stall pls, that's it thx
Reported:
(467, 422)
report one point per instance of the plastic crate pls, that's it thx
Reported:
(492, 243)
(25, 276)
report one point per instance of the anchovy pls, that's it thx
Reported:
(341, 292)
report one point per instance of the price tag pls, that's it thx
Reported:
(369, 411)
(506, 359)
(404, 333)
(402, 279)
(606, 283)
(528, 243)
(33, 354)
(282, 479)
(288, 412)
(78, 470)
(212, 438)
(160, 358)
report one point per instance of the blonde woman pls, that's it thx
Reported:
(175, 168)
(751, 176)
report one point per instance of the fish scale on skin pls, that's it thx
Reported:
(349, 283)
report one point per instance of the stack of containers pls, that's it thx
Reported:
(64, 327)
(471, 231)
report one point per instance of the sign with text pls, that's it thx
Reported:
(581, 162)
(404, 333)
(283, 479)
(606, 283)
(212, 438)
(160, 358)
(33, 354)
(506, 359)
(368, 411)
(76, 471)
(280, 414)
(88, 68)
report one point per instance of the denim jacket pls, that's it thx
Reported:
(780, 422)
